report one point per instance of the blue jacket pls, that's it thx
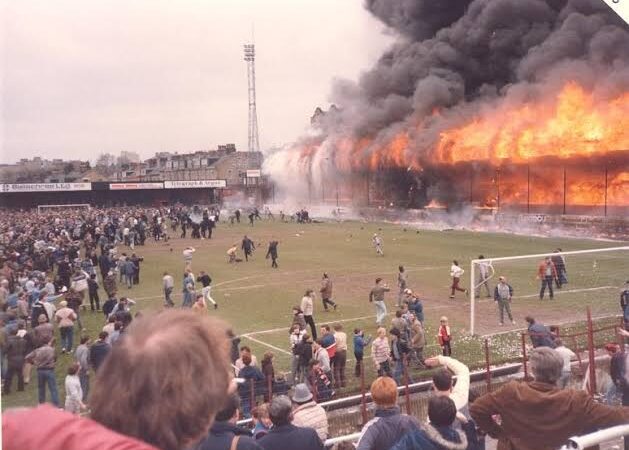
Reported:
(385, 429)
(221, 436)
(327, 340)
(432, 438)
(251, 372)
(360, 342)
(541, 336)
(418, 309)
(289, 437)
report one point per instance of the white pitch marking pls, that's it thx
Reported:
(268, 345)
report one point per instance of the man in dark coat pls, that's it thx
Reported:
(284, 434)
(247, 247)
(224, 430)
(272, 253)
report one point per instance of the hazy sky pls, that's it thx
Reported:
(84, 77)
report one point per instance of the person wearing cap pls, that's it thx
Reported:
(503, 293)
(65, 318)
(306, 412)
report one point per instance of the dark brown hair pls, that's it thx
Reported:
(166, 380)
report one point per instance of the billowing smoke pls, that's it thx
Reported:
(453, 60)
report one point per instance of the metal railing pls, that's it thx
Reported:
(574, 443)
(598, 437)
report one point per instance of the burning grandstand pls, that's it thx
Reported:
(511, 104)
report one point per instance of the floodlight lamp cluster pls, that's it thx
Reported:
(250, 52)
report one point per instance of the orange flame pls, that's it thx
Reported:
(575, 124)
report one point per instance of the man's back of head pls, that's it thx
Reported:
(442, 381)
(166, 380)
(280, 410)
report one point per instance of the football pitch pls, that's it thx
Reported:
(256, 300)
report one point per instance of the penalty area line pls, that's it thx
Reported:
(267, 345)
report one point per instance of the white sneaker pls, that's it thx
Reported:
(513, 322)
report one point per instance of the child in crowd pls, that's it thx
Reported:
(261, 420)
(74, 393)
(360, 342)
(319, 382)
(445, 337)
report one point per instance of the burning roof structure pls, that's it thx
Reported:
(497, 102)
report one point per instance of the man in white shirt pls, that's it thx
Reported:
(456, 272)
(168, 284)
(442, 381)
(566, 355)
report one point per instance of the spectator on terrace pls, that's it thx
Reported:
(306, 412)
(285, 435)
(443, 385)
(537, 415)
(261, 421)
(176, 365)
(389, 425)
(439, 434)
(566, 354)
(540, 334)
(225, 434)
(59, 430)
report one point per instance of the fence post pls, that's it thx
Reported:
(592, 374)
(487, 365)
(620, 337)
(526, 371)
(252, 394)
(407, 393)
(363, 401)
(269, 381)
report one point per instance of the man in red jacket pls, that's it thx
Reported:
(546, 272)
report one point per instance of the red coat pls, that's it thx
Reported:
(541, 270)
(46, 427)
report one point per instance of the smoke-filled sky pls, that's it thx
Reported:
(82, 77)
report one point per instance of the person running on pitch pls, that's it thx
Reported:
(326, 292)
(377, 243)
(456, 272)
(247, 247)
(206, 281)
(377, 297)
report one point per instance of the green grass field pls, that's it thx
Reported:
(256, 299)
